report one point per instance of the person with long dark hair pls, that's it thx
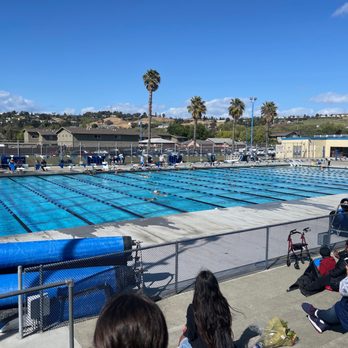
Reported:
(131, 321)
(208, 318)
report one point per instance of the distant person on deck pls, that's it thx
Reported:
(43, 164)
(12, 165)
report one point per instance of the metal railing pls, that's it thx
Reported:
(166, 269)
(21, 292)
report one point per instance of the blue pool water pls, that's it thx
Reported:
(38, 203)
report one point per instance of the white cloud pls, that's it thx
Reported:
(215, 107)
(88, 109)
(329, 111)
(69, 111)
(128, 108)
(330, 98)
(341, 11)
(178, 112)
(10, 102)
(297, 111)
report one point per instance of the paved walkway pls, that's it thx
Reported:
(197, 224)
(257, 297)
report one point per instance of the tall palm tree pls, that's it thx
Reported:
(152, 79)
(235, 110)
(197, 108)
(268, 113)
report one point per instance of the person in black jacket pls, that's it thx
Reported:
(339, 272)
(310, 285)
(209, 318)
(337, 315)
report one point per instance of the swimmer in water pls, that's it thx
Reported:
(159, 193)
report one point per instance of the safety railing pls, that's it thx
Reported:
(161, 270)
(34, 316)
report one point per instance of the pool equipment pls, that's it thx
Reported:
(298, 251)
(50, 251)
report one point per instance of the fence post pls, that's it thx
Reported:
(267, 246)
(71, 313)
(20, 302)
(41, 299)
(176, 266)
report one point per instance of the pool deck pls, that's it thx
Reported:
(257, 298)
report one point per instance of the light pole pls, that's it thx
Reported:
(252, 99)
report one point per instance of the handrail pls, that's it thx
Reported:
(36, 288)
(186, 240)
(68, 282)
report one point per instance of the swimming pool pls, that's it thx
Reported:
(39, 203)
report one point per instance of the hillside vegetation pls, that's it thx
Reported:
(13, 123)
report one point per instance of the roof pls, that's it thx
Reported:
(198, 142)
(42, 131)
(76, 130)
(222, 141)
(157, 141)
(283, 134)
(320, 137)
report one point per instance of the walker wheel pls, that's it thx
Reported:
(296, 265)
(288, 262)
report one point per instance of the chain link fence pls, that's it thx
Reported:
(95, 281)
(78, 154)
(159, 271)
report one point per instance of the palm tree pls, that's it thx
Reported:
(197, 108)
(152, 79)
(235, 110)
(268, 113)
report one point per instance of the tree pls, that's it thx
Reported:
(197, 108)
(152, 79)
(268, 113)
(235, 110)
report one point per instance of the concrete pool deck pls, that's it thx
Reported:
(258, 298)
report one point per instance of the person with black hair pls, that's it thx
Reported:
(339, 272)
(327, 262)
(310, 283)
(339, 218)
(131, 321)
(209, 319)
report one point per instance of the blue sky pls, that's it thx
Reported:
(78, 55)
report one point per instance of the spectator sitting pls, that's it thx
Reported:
(338, 273)
(327, 263)
(208, 317)
(131, 321)
(310, 284)
(323, 320)
(339, 218)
